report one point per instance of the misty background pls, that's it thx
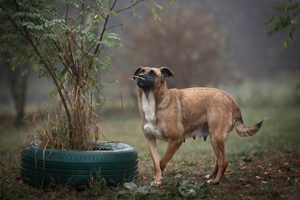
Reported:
(207, 43)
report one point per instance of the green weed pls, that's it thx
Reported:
(269, 190)
(7, 189)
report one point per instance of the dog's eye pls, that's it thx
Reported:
(152, 72)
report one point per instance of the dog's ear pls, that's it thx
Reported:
(166, 72)
(137, 72)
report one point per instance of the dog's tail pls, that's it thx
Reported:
(242, 130)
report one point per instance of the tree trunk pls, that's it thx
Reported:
(18, 87)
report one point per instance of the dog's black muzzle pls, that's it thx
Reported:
(145, 82)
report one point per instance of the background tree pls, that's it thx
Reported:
(17, 83)
(18, 86)
(190, 44)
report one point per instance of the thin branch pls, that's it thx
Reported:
(104, 26)
(121, 25)
(82, 16)
(129, 6)
(103, 31)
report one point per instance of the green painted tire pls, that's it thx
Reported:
(76, 168)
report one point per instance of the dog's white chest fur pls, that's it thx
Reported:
(148, 106)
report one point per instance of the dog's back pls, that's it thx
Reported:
(213, 106)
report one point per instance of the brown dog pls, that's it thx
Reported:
(175, 115)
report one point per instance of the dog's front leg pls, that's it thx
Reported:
(173, 146)
(153, 148)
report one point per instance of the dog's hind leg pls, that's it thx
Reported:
(214, 171)
(218, 144)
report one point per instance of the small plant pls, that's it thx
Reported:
(137, 192)
(188, 189)
(95, 185)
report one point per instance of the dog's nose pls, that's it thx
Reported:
(142, 75)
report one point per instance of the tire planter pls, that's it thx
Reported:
(77, 168)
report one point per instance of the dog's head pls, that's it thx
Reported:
(148, 77)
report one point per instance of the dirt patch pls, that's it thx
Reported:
(274, 175)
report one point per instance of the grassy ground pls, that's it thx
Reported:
(265, 166)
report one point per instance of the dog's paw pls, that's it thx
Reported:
(212, 182)
(207, 176)
(156, 183)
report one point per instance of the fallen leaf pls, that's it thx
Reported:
(280, 172)
(258, 177)
(268, 173)
(244, 167)
(297, 161)
(248, 185)
(264, 182)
